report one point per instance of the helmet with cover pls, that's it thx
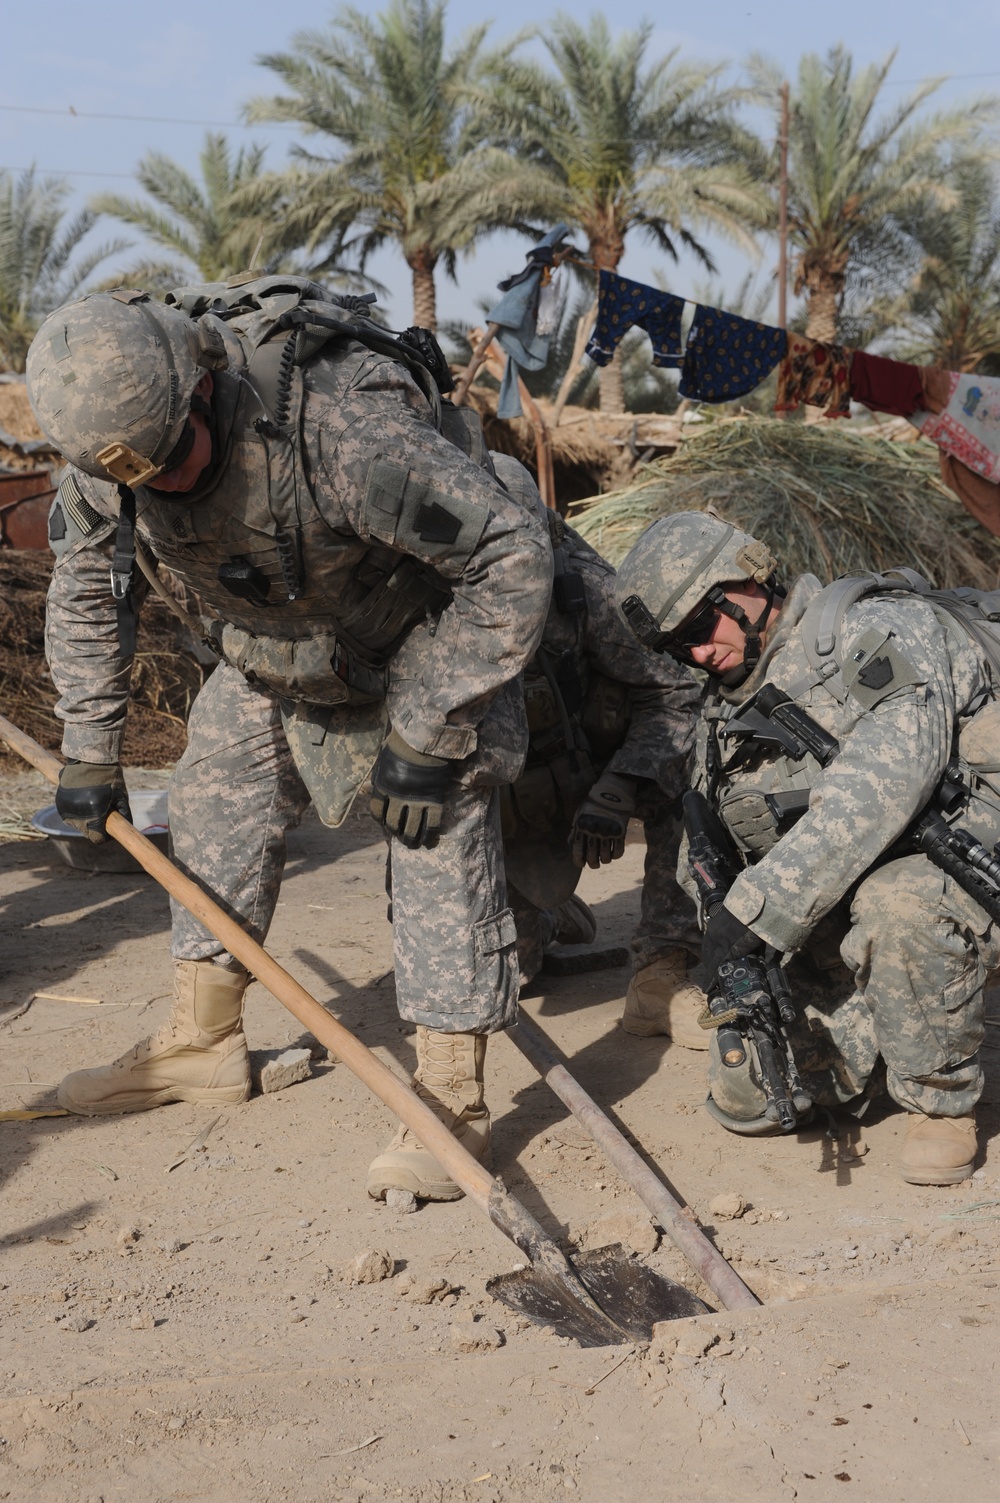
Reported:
(679, 563)
(111, 379)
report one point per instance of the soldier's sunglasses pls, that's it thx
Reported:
(697, 630)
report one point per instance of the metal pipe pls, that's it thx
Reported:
(687, 1237)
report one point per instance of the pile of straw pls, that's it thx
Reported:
(164, 681)
(827, 499)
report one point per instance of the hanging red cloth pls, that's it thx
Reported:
(886, 385)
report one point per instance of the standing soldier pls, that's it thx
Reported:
(372, 591)
(890, 952)
(611, 727)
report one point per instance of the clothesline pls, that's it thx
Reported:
(726, 357)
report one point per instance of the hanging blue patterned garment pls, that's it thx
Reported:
(727, 356)
(620, 304)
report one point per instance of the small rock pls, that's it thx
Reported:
(475, 1336)
(297, 1316)
(636, 1233)
(695, 1341)
(274, 1070)
(944, 1236)
(176, 1423)
(171, 1245)
(402, 1202)
(303, 1223)
(727, 1207)
(127, 1236)
(371, 1266)
(142, 1320)
(76, 1323)
(60, 1296)
(850, 1253)
(426, 1291)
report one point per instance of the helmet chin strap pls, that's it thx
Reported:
(751, 631)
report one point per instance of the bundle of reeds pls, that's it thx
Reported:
(164, 682)
(827, 499)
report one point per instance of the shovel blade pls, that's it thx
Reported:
(631, 1298)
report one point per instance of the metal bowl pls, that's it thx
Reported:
(149, 814)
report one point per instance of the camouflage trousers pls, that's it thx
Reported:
(236, 793)
(667, 916)
(909, 989)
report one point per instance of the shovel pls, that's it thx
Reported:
(600, 1298)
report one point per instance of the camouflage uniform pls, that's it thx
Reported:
(629, 712)
(914, 948)
(375, 486)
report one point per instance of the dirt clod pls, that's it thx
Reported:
(727, 1207)
(636, 1233)
(371, 1266)
(401, 1202)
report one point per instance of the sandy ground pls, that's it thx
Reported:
(188, 1333)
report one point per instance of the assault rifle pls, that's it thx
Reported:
(749, 1000)
(773, 719)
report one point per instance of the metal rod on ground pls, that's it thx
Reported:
(708, 1262)
(479, 354)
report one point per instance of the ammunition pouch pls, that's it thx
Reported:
(318, 670)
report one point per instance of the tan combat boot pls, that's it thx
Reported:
(200, 1053)
(449, 1078)
(938, 1150)
(661, 999)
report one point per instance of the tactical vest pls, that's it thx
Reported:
(759, 817)
(308, 611)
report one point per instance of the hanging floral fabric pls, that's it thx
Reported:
(818, 375)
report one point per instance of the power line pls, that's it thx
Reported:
(73, 114)
(70, 172)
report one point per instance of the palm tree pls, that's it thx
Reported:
(948, 313)
(196, 223)
(614, 145)
(40, 264)
(853, 176)
(394, 102)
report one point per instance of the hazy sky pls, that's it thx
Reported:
(194, 64)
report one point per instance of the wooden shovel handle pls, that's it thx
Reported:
(390, 1090)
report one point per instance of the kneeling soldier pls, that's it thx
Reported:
(890, 951)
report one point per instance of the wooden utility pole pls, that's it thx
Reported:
(783, 213)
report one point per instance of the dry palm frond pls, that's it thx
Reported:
(829, 500)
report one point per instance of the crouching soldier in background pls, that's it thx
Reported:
(611, 727)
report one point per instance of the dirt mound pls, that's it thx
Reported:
(164, 682)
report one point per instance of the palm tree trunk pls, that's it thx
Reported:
(422, 263)
(606, 250)
(821, 320)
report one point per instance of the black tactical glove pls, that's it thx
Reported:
(408, 791)
(727, 938)
(87, 793)
(601, 822)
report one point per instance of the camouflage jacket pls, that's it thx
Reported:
(374, 465)
(637, 710)
(896, 736)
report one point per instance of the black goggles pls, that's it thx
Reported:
(697, 629)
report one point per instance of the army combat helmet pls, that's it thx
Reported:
(683, 563)
(111, 379)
